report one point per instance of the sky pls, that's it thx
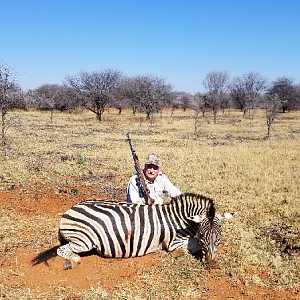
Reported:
(178, 40)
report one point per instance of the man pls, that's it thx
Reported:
(157, 183)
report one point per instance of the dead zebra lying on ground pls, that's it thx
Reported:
(122, 230)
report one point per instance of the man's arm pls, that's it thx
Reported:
(170, 190)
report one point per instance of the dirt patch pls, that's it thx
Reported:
(95, 271)
(32, 201)
(220, 288)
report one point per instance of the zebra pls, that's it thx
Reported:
(122, 230)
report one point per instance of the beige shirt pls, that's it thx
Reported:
(161, 186)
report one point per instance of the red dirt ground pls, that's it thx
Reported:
(108, 273)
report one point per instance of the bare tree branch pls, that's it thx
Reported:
(10, 94)
(216, 85)
(95, 88)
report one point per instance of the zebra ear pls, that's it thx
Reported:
(226, 216)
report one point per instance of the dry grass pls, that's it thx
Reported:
(231, 161)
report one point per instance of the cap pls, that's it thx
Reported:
(153, 159)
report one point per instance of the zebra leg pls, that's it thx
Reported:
(72, 259)
(179, 246)
(183, 245)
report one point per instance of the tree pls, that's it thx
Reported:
(67, 98)
(246, 91)
(238, 93)
(296, 103)
(255, 86)
(30, 99)
(124, 95)
(53, 97)
(216, 85)
(95, 88)
(153, 93)
(200, 103)
(146, 93)
(285, 91)
(117, 101)
(10, 94)
(180, 100)
(46, 97)
(272, 104)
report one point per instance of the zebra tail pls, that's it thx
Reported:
(45, 256)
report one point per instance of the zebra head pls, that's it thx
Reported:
(209, 233)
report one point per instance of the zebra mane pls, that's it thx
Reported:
(191, 197)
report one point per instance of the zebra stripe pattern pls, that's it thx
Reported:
(122, 230)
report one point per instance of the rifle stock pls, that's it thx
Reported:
(141, 179)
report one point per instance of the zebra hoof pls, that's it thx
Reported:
(68, 265)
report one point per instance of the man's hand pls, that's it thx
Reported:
(150, 201)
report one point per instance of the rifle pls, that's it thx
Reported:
(140, 180)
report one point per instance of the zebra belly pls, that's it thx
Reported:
(125, 247)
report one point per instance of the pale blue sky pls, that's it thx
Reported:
(179, 40)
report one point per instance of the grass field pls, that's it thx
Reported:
(75, 157)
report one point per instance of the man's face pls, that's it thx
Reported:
(151, 172)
